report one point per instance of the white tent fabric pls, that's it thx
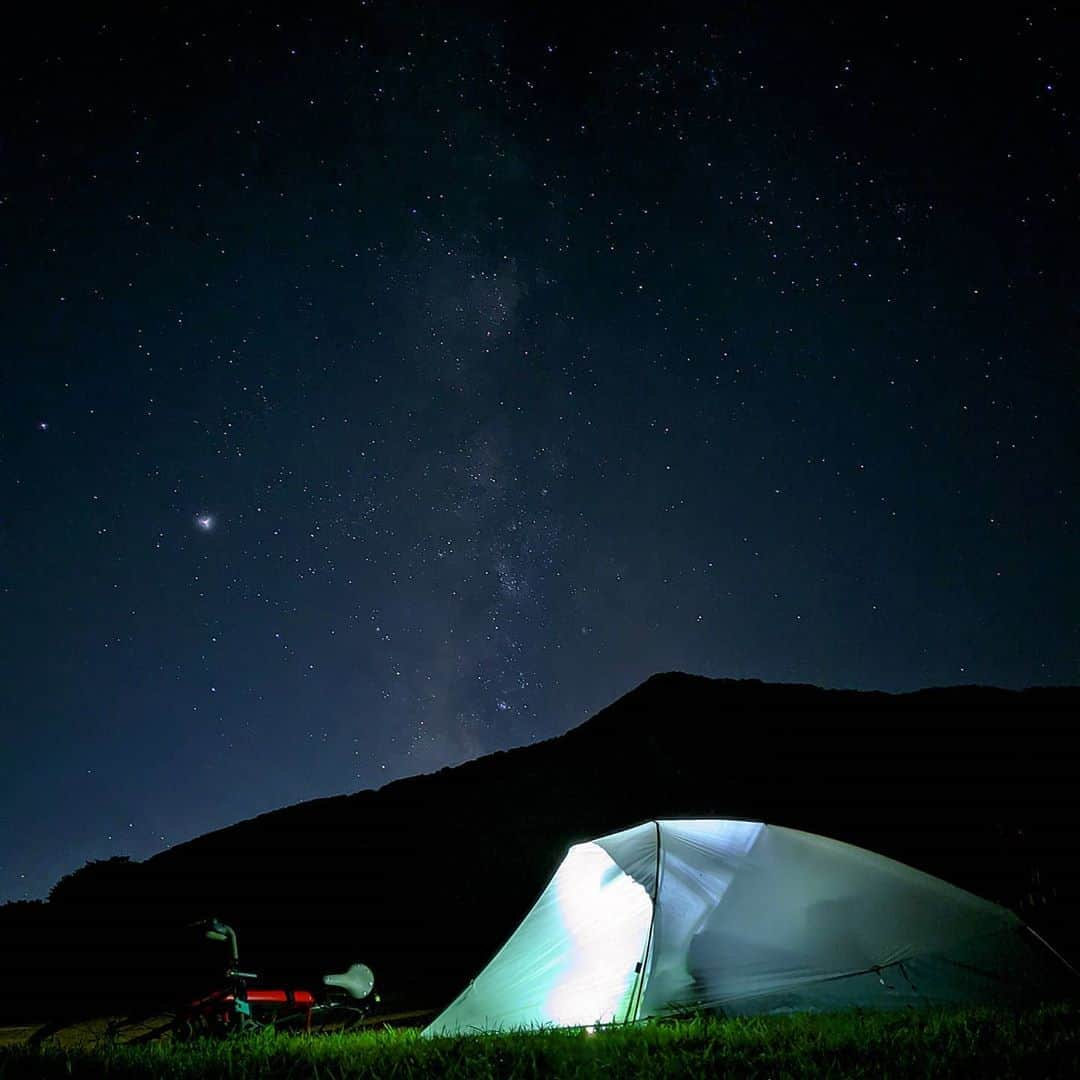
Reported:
(743, 917)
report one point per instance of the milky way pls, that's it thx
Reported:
(388, 389)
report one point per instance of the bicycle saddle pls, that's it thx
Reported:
(357, 982)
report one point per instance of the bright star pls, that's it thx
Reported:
(205, 522)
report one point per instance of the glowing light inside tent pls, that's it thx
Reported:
(748, 917)
(606, 917)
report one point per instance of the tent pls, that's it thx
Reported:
(742, 917)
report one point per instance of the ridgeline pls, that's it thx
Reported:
(424, 878)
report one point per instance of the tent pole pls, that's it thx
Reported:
(639, 988)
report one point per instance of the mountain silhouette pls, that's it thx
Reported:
(424, 878)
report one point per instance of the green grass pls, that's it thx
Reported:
(1040, 1042)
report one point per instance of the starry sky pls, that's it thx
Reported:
(386, 386)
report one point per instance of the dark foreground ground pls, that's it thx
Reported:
(1040, 1042)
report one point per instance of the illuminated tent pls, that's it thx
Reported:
(741, 918)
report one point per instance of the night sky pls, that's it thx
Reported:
(384, 388)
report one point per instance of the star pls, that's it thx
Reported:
(205, 522)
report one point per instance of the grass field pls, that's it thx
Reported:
(1042, 1042)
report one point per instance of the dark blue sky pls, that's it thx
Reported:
(508, 360)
